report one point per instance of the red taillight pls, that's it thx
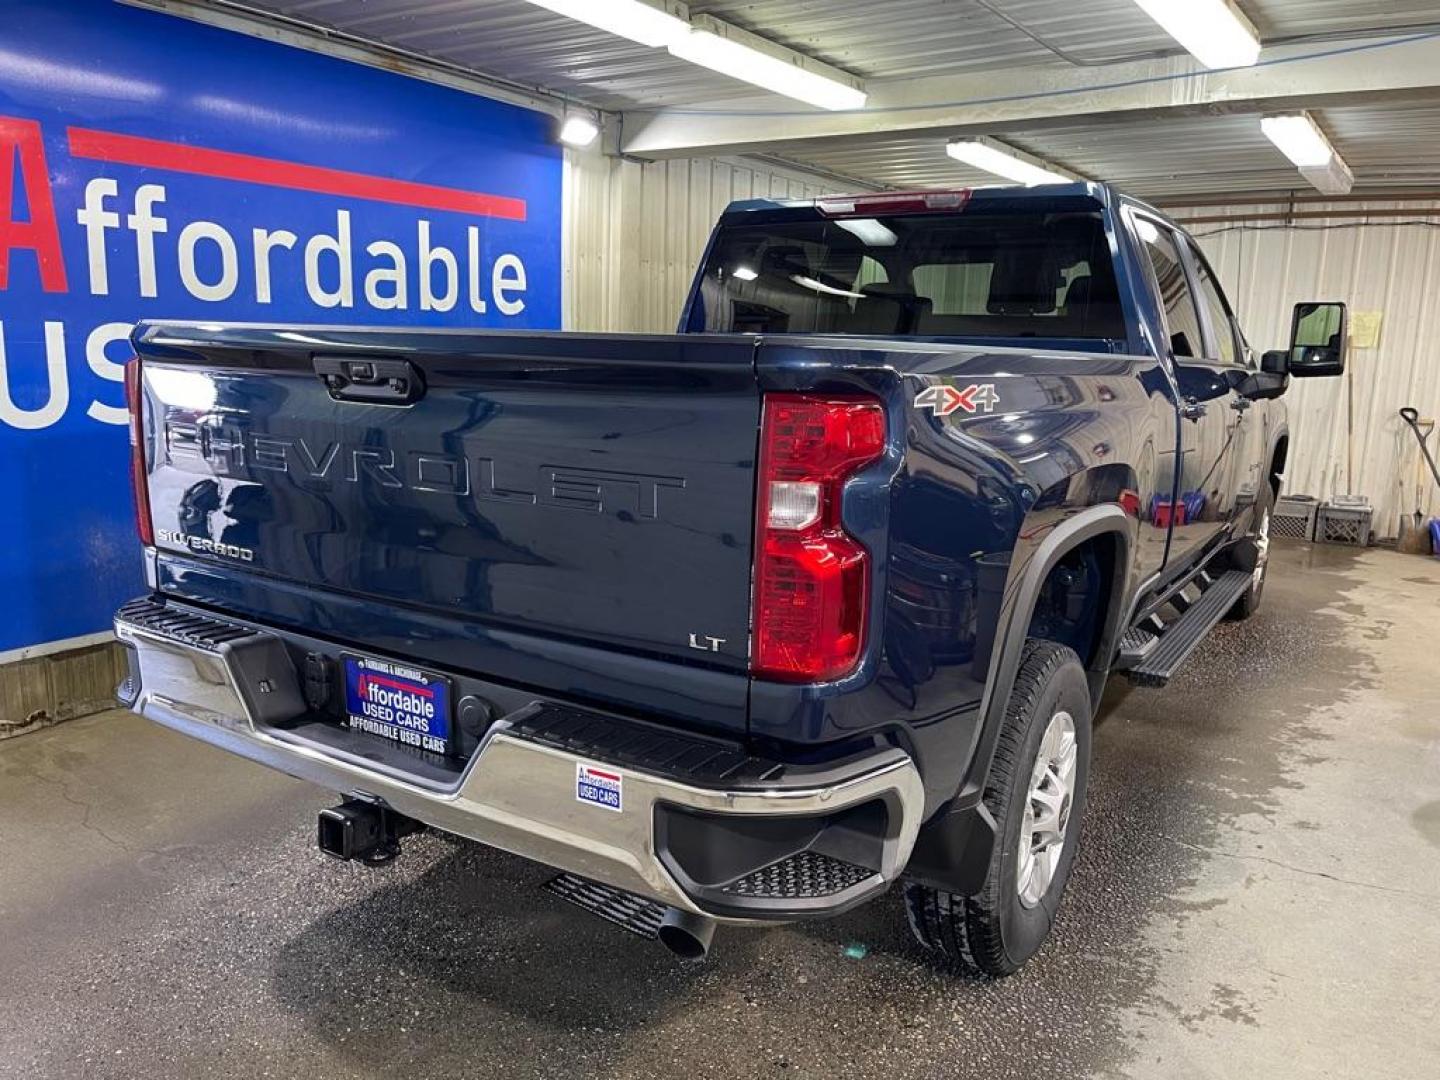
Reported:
(135, 402)
(811, 577)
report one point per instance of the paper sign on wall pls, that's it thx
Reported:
(1365, 329)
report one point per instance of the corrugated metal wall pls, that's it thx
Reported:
(1389, 265)
(634, 232)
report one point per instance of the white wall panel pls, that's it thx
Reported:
(635, 231)
(1377, 264)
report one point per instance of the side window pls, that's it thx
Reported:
(1221, 320)
(1181, 316)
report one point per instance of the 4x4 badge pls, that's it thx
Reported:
(944, 399)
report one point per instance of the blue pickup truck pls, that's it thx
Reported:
(746, 623)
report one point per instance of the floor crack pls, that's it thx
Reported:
(1303, 871)
(85, 810)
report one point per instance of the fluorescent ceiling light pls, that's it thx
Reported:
(744, 273)
(1332, 179)
(1299, 138)
(994, 157)
(1215, 32)
(742, 55)
(578, 131)
(870, 231)
(718, 46)
(653, 24)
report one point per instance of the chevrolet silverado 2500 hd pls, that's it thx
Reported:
(746, 623)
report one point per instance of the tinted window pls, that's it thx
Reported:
(972, 274)
(1181, 316)
(1220, 320)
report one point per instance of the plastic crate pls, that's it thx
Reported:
(1344, 521)
(1294, 517)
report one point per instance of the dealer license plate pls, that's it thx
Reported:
(398, 702)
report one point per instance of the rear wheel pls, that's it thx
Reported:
(1036, 794)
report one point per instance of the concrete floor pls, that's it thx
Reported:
(1258, 895)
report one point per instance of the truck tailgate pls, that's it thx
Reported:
(591, 488)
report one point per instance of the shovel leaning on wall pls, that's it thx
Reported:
(1417, 539)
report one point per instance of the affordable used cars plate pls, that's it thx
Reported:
(398, 702)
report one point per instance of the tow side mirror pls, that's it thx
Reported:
(1318, 342)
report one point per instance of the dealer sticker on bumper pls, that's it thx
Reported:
(598, 786)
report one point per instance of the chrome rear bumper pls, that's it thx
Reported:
(516, 793)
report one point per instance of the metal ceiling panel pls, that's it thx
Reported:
(897, 39)
(1388, 145)
(1287, 18)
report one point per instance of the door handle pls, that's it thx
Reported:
(1191, 409)
(369, 381)
(1240, 404)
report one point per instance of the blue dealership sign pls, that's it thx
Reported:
(153, 167)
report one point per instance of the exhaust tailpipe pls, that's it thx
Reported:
(686, 935)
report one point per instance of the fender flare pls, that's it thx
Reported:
(954, 848)
(1015, 619)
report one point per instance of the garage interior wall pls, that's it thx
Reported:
(1389, 265)
(634, 231)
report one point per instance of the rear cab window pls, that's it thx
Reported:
(1182, 317)
(974, 273)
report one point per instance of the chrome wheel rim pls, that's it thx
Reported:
(1047, 809)
(1262, 549)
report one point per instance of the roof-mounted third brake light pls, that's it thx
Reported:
(897, 202)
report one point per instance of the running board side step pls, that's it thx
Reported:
(1151, 654)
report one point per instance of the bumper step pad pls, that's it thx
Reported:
(805, 875)
(191, 628)
(256, 662)
(693, 759)
(626, 910)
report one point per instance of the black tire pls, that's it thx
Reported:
(1253, 553)
(994, 932)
